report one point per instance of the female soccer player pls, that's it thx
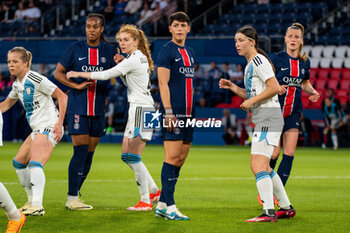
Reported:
(16, 218)
(292, 73)
(35, 93)
(134, 70)
(175, 75)
(260, 97)
(86, 102)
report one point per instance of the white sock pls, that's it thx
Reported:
(71, 197)
(24, 179)
(279, 190)
(265, 189)
(153, 188)
(37, 179)
(171, 209)
(8, 205)
(161, 205)
(141, 171)
(334, 139)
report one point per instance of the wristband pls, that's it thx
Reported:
(168, 111)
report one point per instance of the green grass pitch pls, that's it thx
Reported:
(216, 190)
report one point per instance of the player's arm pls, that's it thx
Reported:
(62, 104)
(227, 84)
(7, 104)
(102, 75)
(272, 89)
(60, 75)
(163, 79)
(308, 88)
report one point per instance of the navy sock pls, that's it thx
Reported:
(168, 184)
(285, 168)
(273, 163)
(87, 167)
(177, 173)
(76, 169)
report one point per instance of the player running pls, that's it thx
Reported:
(260, 94)
(292, 73)
(134, 71)
(86, 102)
(15, 217)
(35, 93)
(175, 75)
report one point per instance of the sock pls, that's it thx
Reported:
(171, 209)
(273, 163)
(8, 205)
(161, 205)
(87, 167)
(265, 189)
(285, 168)
(140, 171)
(23, 174)
(76, 169)
(152, 187)
(37, 180)
(279, 190)
(168, 183)
(334, 139)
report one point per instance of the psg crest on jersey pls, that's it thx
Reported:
(103, 59)
(302, 71)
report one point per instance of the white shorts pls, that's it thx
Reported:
(263, 143)
(49, 133)
(135, 121)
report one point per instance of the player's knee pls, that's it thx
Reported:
(125, 157)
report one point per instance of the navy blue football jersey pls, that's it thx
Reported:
(82, 57)
(180, 61)
(292, 72)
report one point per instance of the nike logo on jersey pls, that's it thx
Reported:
(284, 69)
(81, 58)
(177, 59)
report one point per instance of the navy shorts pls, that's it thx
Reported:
(292, 121)
(179, 134)
(94, 126)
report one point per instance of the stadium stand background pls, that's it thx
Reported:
(327, 40)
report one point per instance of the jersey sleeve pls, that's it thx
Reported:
(13, 94)
(67, 59)
(46, 86)
(307, 70)
(107, 74)
(164, 58)
(263, 68)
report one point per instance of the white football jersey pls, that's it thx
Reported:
(256, 73)
(134, 70)
(35, 93)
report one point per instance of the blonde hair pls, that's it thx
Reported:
(299, 26)
(139, 35)
(26, 56)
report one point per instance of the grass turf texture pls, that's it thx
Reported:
(216, 190)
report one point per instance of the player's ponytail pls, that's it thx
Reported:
(251, 34)
(299, 26)
(139, 36)
(26, 56)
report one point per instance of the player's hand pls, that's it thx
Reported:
(72, 74)
(283, 89)
(57, 130)
(246, 105)
(118, 57)
(314, 97)
(225, 84)
(170, 122)
(84, 85)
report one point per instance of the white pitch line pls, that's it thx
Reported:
(53, 181)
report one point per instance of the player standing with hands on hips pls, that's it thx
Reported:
(134, 71)
(260, 94)
(35, 93)
(86, 102)
(175, 76)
